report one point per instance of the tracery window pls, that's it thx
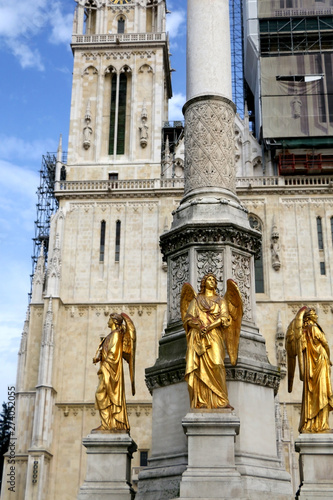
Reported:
(118, 114)
(121, 25)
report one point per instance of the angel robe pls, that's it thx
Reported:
(205, 371)
(110, 394)
(317, 398)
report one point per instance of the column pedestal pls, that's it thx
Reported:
(108, 474)
(316, 465)
(211, 471)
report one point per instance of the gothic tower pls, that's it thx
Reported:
(103, 252)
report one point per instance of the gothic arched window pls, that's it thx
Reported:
(102, 241)
(117, 248)
(256, 223)
(320, 234)
(121, 25)
(118, 115)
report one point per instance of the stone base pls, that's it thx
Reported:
(108, 467)
(316, 465)
(211, 471)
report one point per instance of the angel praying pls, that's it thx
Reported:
(110, 394)
(211, 322)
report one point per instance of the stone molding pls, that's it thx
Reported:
(210, 144)
(73, 409)
(240, 373)
(132, 309)
(115, 55)
(179, 239)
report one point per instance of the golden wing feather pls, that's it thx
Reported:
(186, 297)
(291, 354)
(294, 347)
(129, 348)
(232, 333)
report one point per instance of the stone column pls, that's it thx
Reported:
(210, 232)
(316, 465)
(108, 474)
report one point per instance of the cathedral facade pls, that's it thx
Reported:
(122, 180)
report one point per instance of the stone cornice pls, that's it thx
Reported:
(265, 376)
(203, 234)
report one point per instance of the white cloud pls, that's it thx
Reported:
(62, 26)
(14, 148)
(27, 57)
(176, 23)
(176, 104)
(22, 20)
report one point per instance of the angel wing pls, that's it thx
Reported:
(186, 297)
(294, 347)
(129, 346)
(232, 333)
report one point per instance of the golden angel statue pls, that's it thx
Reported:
(306, 341)
(211, 322)
(119, 344)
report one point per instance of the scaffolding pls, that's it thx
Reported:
(45, 207)
(237, 68)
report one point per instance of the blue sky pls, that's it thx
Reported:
(35, 91)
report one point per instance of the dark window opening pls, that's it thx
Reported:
(322, 268)
(117, 251)
(112, 114)
(320, 234)
(122, 114)
(255, 223)
(102, 241)
(63, 173)
(143, 458)
(121, 25)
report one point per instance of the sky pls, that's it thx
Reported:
(35, 92)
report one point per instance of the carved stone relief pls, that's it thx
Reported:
(180, 267)
(210, 153)
(241, 274)
(211, 262)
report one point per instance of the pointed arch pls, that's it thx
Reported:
(119, 110)
(146, 68)
(90, 70)
(121, 23)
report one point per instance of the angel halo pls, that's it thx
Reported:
(110, 400)
(211, 323)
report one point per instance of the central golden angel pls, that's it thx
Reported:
(211, 323)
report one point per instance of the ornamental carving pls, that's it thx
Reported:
(210, 147)
(179, 274)
(210, 262)
(241, 274)
(176, 374)
(227, 234)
